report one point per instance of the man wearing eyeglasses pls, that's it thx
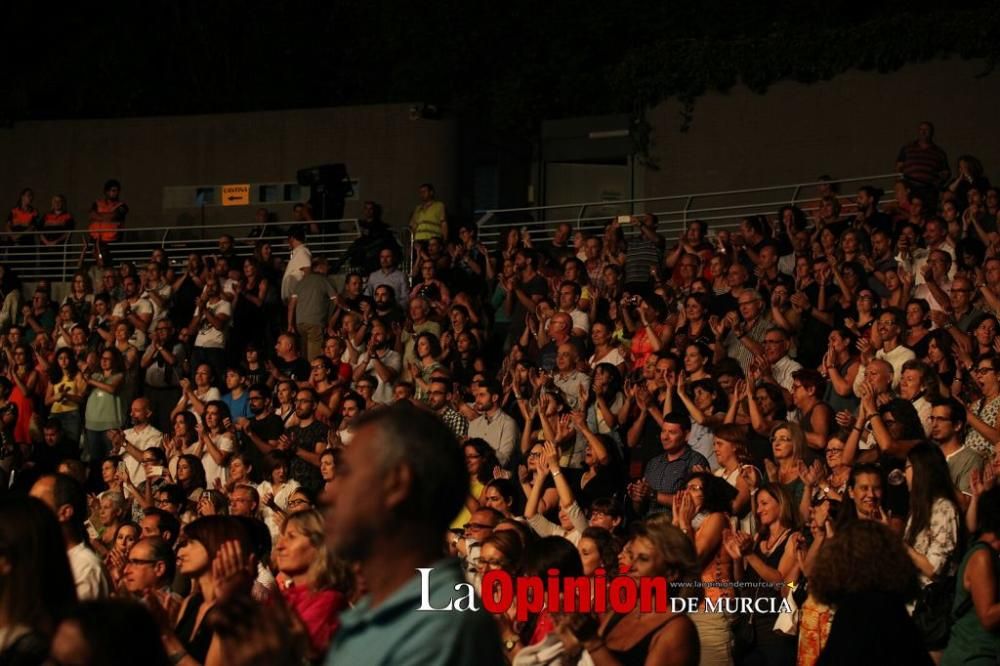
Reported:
(948, 422)
(163, 363)
(150, 568)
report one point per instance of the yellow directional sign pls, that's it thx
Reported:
(236, 195)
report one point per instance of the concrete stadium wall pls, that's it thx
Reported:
(388, 152)
(852, 125)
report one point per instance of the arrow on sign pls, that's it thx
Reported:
(232, 198)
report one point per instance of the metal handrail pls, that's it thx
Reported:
(491, 223)
(58, 262)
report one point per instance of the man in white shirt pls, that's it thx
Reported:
(299, 259)
(381, 361)
(569, 298)
(135, 309)
(65, 496)
(890, 328)
(141, 436)
(780, 365)
(493, 424)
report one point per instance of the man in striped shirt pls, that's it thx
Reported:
(923, 163)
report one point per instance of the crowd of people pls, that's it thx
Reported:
(801, 413)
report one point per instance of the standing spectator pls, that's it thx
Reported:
(299, 259)
(392, 538)
(309, 307)
(363, 253)
(923, 163)
(163, 363)
(107, 215)
(141, 436)
(57, 223)
(390, 275)
(645, 250)
(306, 441)
(429, 219)
(104, 407)
(211, 318)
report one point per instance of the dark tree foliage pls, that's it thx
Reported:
(507, 64)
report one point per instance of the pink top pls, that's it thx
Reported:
(320, 612)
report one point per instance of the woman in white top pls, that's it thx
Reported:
(731, 452)
(195, 397)
(214, 442)
(274, 494)
(606, 348)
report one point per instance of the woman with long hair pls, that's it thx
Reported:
(181, 440)
(427, 349)
(500, 495)
(788, 443)
(480, 461)
(660, 550)
(36, 588)
(190, 477)
(201, 543)
(604, 400)
(313, 582)
(768, 559)
(941, 356)
(702, 512)
(840, 365)
(65, 394)
(918, 325)
(215, 443)
(651, 332)
(697, 361)
(735, 467)
(934, 531)
(104, 410)
(692, 323)
(604, 471)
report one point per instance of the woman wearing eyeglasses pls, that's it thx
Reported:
(480, 460)
(983, 433)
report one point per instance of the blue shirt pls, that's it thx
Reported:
(397, 633)
(238, 407)
(669, 476)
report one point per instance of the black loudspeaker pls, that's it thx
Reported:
(328, 186)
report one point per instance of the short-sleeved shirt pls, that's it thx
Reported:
(960, 465)
(669, 476)
(146, 438)
(306, 438)
(214, 470)
(209, 337)
(312, 299)
(395, 633)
